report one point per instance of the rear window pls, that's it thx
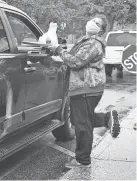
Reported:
(121, 39)
(4, 46)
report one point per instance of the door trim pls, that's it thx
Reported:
(31, 115)
(43, 110)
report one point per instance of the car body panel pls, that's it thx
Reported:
(12, 78)
(45, 85)
(41, 111)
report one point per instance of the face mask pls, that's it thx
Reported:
(92, 28)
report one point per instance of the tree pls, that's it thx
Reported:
(75, 13)
(122, 11)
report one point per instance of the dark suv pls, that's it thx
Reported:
(33, 87)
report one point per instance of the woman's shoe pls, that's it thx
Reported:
(74, 163)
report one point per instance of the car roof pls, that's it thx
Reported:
(4, 5)
(122, 31)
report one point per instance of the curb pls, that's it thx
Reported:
(106, 140)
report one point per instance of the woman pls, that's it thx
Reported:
(86, 86)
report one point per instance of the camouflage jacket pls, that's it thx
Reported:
(85, 60)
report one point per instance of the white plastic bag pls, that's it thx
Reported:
(50, 36)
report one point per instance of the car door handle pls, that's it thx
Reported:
(29, 69)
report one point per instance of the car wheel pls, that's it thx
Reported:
(65, 132)
(108, 70)
(120, 72)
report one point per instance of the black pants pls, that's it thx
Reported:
(84, 119)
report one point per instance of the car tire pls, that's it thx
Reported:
(108, 70)
(119, 74)
(65, 132)
(119, 71)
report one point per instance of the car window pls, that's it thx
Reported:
(4, 46)
(121, 39)
(22, 28)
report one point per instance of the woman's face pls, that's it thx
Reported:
(98, 22)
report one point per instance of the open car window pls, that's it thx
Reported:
(4, 45)
(22, 29)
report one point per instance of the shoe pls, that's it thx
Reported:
(74, 164)
(112, 123)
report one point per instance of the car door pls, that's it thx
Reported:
(44, 77)
(12, 82)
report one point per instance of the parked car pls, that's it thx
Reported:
(116, 43)
(33, 87)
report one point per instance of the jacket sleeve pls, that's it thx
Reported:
(85, 55)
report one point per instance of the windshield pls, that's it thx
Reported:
(121, 39)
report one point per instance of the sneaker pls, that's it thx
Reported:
(113, 123)
(73, 164)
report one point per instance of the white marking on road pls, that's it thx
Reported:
(61, 149)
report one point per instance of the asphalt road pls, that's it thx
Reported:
(45, 159)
